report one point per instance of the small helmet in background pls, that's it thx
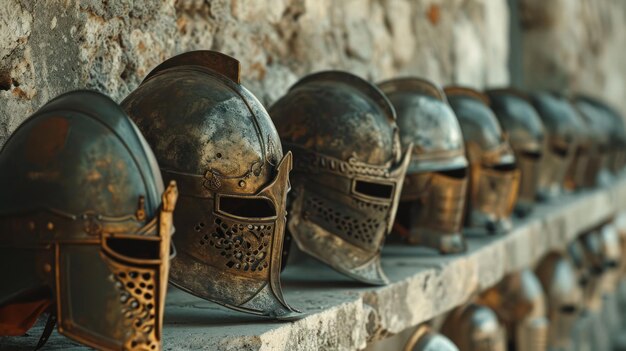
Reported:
(494, 176)
(435, 186)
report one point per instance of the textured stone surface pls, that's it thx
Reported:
(47, 48)
(576, 45)
(424, 285)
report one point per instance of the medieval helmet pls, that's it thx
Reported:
(564, 296)
(525, 132)
(214, 138)
(595, 124)
(494, 177)
(519, 301)
(348, 170)
(426, 339)
(85, 226)
(434, 191)
(612, 256)
(585, 253)
(562, 124)
(475, 327)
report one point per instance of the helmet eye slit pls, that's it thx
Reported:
(458, 173)
(134, 248)
(246, 207)
(374, 190)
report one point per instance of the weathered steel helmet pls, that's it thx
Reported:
(214, 138)
(612, 256)
(475, 327)
(426, 339)
(435, 186)
(85, 226)
(525, 133)
(595, 124)
(348, 170)
(519, 301)
(562, 124)
(494, 177)
(564, 296)
(585, 253)
(612, 125)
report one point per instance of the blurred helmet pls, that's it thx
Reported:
(595, 124)
(435, 186)
(586, 255)
(85, 226)
(348, 170)
(425, 339)
(562, 125)
(475, 327)
(525, 133)
(494, 177)
(614, 129)
(519, 301)
(564, 296)
(612, 257)
(214, 138)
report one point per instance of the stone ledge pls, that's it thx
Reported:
(344, 315)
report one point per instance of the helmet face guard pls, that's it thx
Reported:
(219, 144)
(236, 234)
(93, 238)
(493, 190)
(436, 217)
(346, 209)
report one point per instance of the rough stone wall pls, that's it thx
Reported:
(49, 47)
(576, 45)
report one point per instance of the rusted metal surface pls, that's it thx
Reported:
(434, 191)
(348, 170)
(83, 223)
(212, 136)
(525, 133)
(494, 177)
(475, 327)
(520, 303)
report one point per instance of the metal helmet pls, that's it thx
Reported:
(595, 124)
(519, 301)
(494, 177)
(564, 296)
(612, 257)
(425, 339)
(435, 186)
(85, 226)
(212, 136)
(614, 129)
(348, 170)
(525, 133)
(585, 253)
(475, 327)
(562, 124)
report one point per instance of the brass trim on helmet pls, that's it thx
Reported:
(463, 91)
(412, 84)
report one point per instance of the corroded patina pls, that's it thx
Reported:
(85, 225)
(348, 170)
(494, 176)
(212, 136)
(525, 132)
(434, 191)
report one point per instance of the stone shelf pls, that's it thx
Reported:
(344, 315)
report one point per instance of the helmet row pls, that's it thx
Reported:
(86, 221)
(548, 309)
